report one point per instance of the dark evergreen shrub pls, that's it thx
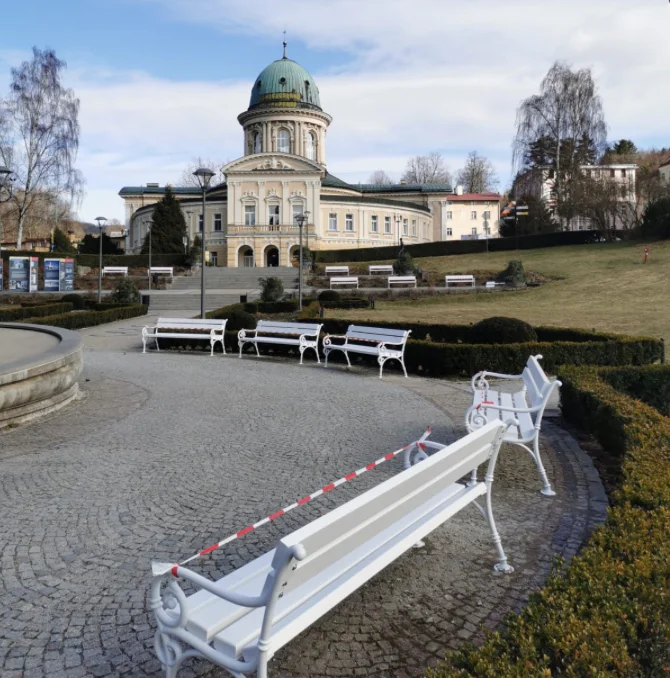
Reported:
(77, 301)
(499, 330)
(329, 295)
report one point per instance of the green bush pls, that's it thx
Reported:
(656, 218)
(329, 295)
(22, 313)
(310, 311)
(404, 265)
(500, 330)
(650, 384)
(77, 300)
(514, 273)
(270, 307)
(126, 292)
(346, 303)
(238, 319)
(608, 613)
(75, 321)
(272, 288)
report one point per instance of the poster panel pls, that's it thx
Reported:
(51, 275)
(1, 272)
(19, 274)
(67, 280)
(34, 273)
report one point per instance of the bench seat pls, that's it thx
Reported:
(211, 330)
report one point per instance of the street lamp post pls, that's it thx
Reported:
(6, 191)
(398, 219)
(204, 177)
(101, 224)
(149, 225)
(307, 215)
(301, 219)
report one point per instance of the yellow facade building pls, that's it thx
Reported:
(251, 217)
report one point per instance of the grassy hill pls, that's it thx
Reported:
(602, 286)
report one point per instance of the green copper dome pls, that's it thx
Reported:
(284, 84)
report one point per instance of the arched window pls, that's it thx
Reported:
(257, 142)
(283, 141)
(310, 147)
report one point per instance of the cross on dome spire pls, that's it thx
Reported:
(284, 43)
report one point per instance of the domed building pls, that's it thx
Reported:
(251, 217)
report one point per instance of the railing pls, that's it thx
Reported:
(280, 229)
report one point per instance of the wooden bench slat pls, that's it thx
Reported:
(303, 335)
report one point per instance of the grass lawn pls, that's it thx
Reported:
(602, 286)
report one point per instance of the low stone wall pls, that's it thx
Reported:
(39, 368)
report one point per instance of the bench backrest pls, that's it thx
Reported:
(377, 334)
(161, 269)
(402, 278)
(459, 278)
(538, 386)
(338, 534)
(115, 269)
(337, 269)
(278, 327)
(380, 268)
(344, 279)
(189, 324)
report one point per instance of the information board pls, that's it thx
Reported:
(19, 274)
(67, 275)
(52, 275)
(34, 273)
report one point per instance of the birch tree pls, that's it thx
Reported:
(427, 169)
(478, 175)
(39, 135)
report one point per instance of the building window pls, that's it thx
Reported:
(374, 225)
(200, 222)
(449, 232)
(623, 173)
(450, 215)
(387, 225)
(310, 147)
(612, 173)
(413, 226)
(349, 222)
(486, 215)
(257, 142)
(273, 215)
(332, 221)
(283, 141)
(474, 231)
(218, 222)
(250, 215)
(473, 215)
(297, 210)
(405, 227)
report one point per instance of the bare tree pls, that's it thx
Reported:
(39, 135)
(380, 178)
(568, 115)
(186, 177)
(478, 175)
(427, 169)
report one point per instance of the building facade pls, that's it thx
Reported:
(664, 171)
(250, 219)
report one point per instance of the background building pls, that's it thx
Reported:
(251, 217)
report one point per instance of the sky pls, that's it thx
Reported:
(161, 82)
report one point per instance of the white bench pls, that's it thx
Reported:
(113, 270)
(385, 343)
(210, 330)
(526, 405)
(239, 622)
(161, 270)
(402, 280)
(459, 280)
(381, 268)
(344, 280)
(491, 284)
(337, 270)
(302, 335)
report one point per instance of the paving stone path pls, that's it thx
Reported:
(166, 453)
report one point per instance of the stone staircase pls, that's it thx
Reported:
(223, 286)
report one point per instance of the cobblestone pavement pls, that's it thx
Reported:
(166, 453)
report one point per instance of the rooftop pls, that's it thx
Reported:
(469, 197)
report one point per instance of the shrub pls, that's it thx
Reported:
(126, 292)
(656, 218)
(329, 295)
(77, 300)
(404, 265)
(514, 273)
(499, 330)
(21, 314)
(608, 613)
(270, 307)
(238, 319)
(312, 310)
(272, 288)
(75, 321)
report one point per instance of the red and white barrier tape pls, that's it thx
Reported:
(159, 569)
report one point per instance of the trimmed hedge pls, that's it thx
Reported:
(444, 247)
(75, 321)
(608, 613)
(650, 384)
(132, 260)
(23, 312)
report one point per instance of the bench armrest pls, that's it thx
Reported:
(515, 410)
(245, 333)
(327, 339)
(481, 377)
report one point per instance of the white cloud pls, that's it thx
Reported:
(413, 77)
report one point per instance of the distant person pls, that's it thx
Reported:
(402, 247)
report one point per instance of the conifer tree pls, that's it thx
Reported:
(169, 227)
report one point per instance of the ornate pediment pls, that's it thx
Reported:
(272, 162)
